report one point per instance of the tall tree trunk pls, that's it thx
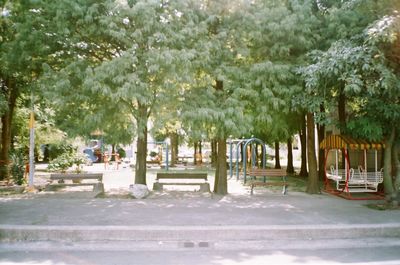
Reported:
(241, 156)
(200, 153)
(6, 122)
(221, 176)
(342, 109)
(215, 149)
(257, 146)
(303, 146)
(277, 159)
(342, 117)
(195, 153)
(313, 180)
(290, 167)
(321, 152)
(263, 156)
(214, 153)
(112, 152)
(140, 175)
(396, 159)
(390, 192)
(174, 148)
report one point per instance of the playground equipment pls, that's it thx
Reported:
(164, 146)
(347, 180)
(247, 145)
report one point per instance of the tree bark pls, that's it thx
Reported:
(313, 180)
(290, 167)
(390, 192)
(263, 156)
(321, 152)
(342, 117)
(214, 153)
(215, 150)
(195, 153)
(140, 176)
(342, 109)
(277, 159)
(303, 146)
(200, 153)
(241, 153)
(6, 122)
(174, 148)
(396, 162)
(221, 176)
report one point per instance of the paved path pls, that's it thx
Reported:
(261, 226)
(174, 207)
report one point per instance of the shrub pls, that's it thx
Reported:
(67, 160)
(57, 149)
(61, 163)
(78, 160)
(17, 168)
(121, 152)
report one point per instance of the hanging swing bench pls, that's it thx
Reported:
(346, 179)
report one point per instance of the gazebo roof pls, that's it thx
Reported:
(346, 142)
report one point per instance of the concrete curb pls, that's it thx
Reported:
(11, 233)
(131, 246)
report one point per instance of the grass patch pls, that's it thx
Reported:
(11, 190)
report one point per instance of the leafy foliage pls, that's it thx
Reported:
(67, 160)
(17, 168)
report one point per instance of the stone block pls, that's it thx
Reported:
(139, 191)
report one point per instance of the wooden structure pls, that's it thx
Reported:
(77, 179)
(270, 177)
(182, 178)
(347, 180)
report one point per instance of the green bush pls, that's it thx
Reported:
(66, 160)
(57, 149)
(78, 160)
(121, 152)
(17, 168)
(61, 163)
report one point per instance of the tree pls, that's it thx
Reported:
(366, 79)
(313, 180)
(127, 66)
(26, 43)
(215, 103)
(280, 34)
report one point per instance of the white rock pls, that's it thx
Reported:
(139, 191)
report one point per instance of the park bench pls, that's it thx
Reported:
(267, 175)
(184, 178)
(153, 162)
(77, 180)
(184, 160)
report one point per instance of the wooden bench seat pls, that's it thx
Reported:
(267, 175)
(76, 180)
(187, 178)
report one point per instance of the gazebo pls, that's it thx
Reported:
(348, 180)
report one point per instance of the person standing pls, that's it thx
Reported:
(117, 160)
(106, 160)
